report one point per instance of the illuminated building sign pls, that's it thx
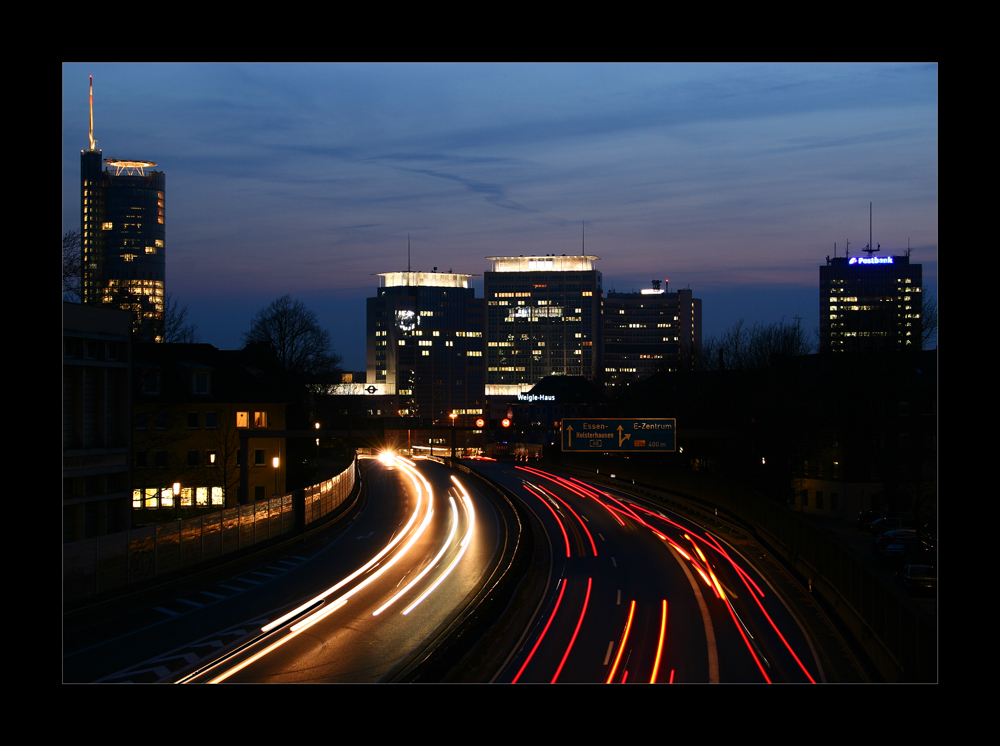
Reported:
(407, 321)
(870, 260)
(535, 397)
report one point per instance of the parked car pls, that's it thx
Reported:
(897, 536)
(881, 525)
(891, 553)
(865, 518)
(917, 578)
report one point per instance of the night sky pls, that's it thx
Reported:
(736, 180)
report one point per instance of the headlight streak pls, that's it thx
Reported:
(322, 613)
(427, 568)
(554, 515)
(464, 545)
(576, 631)
(364, 568)
(621, 645)
(541, 637)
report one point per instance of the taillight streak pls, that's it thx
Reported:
(554, 515)
(748, 581)
(621, 645)
(576, 631)
(749, 645)
(541, 637)
(582, 524)
(659, 646)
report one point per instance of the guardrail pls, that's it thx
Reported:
(106, 564)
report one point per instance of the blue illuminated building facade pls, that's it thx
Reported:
(870, 301)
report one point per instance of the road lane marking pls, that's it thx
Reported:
(713, 651)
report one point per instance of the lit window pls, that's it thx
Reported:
(242, 419)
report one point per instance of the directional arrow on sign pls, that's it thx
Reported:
(622, 439)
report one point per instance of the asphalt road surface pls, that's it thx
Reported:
(636, 594)
(354, 606)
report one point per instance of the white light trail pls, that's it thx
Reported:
(320, 614)
(464, 545)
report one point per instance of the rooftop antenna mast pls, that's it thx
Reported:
(407, 252)
(869, 248)
(93, 142)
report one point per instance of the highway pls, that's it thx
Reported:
(358, 607)
(621, 591)
(636, 594)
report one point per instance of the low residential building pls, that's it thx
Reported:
(96, 413)
(191, 403)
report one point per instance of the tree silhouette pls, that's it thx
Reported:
(292, 334)
(72, 267)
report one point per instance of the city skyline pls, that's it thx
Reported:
(736, 180)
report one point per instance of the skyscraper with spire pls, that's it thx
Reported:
(123, 236)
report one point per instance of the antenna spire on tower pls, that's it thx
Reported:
(93, 142)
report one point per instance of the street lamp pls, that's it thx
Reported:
(453, 416)
(177, 492)
(274, 463)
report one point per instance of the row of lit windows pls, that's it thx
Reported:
(163, 497)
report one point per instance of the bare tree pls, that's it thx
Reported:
(739, 348)
(293, 335)
(929, 321)
(72, 260)
(175, 325)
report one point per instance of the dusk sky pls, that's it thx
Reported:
(736, 180)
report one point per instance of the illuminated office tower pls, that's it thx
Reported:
(650, 331)
(425, 344)
(543, 318)
(123, 239)
(869, 302)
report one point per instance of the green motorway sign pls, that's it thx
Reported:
(633, 436)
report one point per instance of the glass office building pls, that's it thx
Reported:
(543, 318)
(123, 237)
(425, 344)
(870, 301)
